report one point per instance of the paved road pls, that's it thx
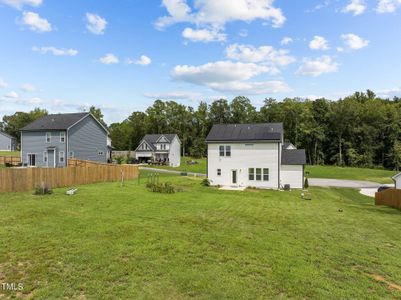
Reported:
(342, 183)
(322, 182)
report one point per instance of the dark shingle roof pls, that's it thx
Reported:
(293, 157)
(245, 132)
(7, 135)
(152, 138)
(55, 122)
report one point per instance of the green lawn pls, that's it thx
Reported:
(200, 167)
(10, 153)
(110, 242)
(375, 175)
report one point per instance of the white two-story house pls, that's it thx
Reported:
(253, 155)
(160, 147)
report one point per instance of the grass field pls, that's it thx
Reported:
(110, 242)
(375, 175)
(10, 153)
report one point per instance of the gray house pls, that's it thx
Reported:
(53, 139)
(7, 142)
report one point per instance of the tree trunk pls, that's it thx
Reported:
(340, 151)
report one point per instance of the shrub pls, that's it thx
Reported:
(119, 159)
(205, 182)
(43, 189)
(306, 184)
(164, 188)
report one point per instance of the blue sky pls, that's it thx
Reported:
(121, 55)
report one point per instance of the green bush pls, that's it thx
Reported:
(119, 159)
(205, 182)
(43, 189)
(306, 184)
(164, 188)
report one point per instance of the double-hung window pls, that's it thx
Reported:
(251, 173)
(45, 156)
(265, 174)
(258, 174)
(48, 137)
(61, 156)
(221, 150)
(218, 172)
(62, 137)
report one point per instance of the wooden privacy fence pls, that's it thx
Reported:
(12, 160)
(389, 197)
(26, 179)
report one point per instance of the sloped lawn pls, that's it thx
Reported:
(110, 242)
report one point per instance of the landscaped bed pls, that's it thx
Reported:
(109, 241)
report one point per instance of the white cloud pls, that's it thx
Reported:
(143, 61)
(95, 23)
(266, 55)
(55, 51)
(28, 87)
(354, 42)
(19, 4)
(286, 40)
(12, 95)
(387, 6)
(203, 35)
(389, 93)
(319, 43)
(243, 33)
(109, 59)
(356, 7)
(218, 13)
(227, 76)
(174, 95)
(318, 66)
(3, 84)
(35, 22)
(252, 88)
(319, 6)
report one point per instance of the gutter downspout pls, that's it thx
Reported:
(279, 165)
(67, 155)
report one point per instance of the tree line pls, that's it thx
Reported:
(360, 130)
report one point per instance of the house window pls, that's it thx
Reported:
(100, 153)
(251, 174)
(32, 160)
(265, 174)
(61, 157)
(62, 137)
(221, 150)
(218, 172)
(48, 137)
(71, 154)
(45, 156)
(228, 151)
(225, 150)
(258, 174)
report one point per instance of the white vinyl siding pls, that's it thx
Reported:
(245, 159)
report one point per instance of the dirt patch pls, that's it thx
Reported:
(390, 284)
